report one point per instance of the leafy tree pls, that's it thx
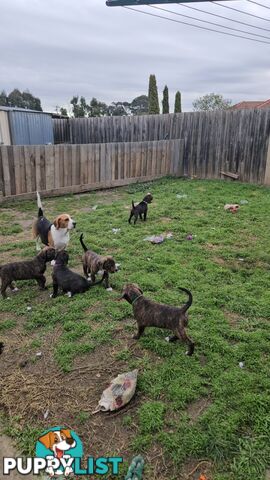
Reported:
(63, 111)
(31, 102)
(153, 107)
(23, 100)
(97, 109)
(210, 102)
(139, 105)
(79, 107)
(165, 101)
(177, 103)
(3, 99)
(118, 109)
(15, 99)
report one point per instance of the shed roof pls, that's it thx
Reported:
(25, 110)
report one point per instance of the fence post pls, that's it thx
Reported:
(267, 166)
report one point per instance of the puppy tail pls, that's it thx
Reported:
(82, 243)
(133, 205)
(190, 299)
(39, 204)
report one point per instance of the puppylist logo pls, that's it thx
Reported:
(59, 451)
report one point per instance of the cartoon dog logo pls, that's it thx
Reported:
(59, 442)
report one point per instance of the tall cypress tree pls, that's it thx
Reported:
(153, 107)
(177, 103)
(165, 101)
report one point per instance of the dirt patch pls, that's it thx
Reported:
(219, 261)
(160, 468)
(211, 246)
(7, 449)
(165, 220)
(193, 469)
(195, 409)
(233, 318)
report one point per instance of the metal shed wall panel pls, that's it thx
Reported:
(4, 129)
(29, 128)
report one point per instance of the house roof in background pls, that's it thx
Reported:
(251, 104)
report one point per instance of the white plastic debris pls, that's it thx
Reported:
(241, 364)
(28, 309)
(116, 230)
(155, 239)
(45, 416)
(179, 195)
(39, 354)
(52, 263)
(109, 289)
(119, 392)
(94, 207)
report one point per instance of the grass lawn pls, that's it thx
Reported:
(191, 415)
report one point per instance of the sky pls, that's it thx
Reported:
(61, 48)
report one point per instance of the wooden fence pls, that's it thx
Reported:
(61, 169)
(231, 141)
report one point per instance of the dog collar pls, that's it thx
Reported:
(136, 299)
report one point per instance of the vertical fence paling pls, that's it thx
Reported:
(234, 141)
(69, 168)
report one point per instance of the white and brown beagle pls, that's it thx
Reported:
(58, 441)
(54, 234)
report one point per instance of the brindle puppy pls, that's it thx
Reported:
(93, 263)
(140, 209)
(31, 269)
(152, 314)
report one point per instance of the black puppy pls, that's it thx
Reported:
(30, 269)
(140, 209)
(70, 282)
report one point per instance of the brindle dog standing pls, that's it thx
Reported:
(140, 209)
(31, 269)
(152, 314)
(93, 263)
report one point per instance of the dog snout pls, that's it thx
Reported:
(74, 224)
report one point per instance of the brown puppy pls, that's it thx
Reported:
(93, 263)
(152, 314)
(31, 269)
(140, 209)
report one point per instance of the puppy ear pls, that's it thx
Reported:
(56, 222)
(47, 440)
(124, 297)
(67, 433)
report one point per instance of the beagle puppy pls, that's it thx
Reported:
(54, 234)
(58, 441)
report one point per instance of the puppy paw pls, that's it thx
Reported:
(52, 263)
(15, 290)
(69, 294)
(52, 295)
(167, 339)
(109, 289)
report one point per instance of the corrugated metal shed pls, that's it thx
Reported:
(29, 127)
